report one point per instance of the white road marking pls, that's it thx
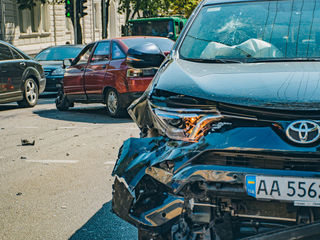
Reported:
(52, 161)
(109, 163)
(27, 127)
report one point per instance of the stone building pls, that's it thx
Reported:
(46, 24)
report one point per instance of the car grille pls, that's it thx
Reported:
(260, 160)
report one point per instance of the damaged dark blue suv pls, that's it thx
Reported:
(230, 127)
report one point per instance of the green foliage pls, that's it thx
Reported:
(183, 7)
(155, 8)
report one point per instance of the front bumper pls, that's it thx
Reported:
(158, 180)
(42, 84)
(52, 82)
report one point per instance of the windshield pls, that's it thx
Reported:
(268, 30)
(152, 28)
(58, 53)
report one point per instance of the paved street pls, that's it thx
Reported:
(61, 187)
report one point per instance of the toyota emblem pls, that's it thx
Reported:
(303, 132)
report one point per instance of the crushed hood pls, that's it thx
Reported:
(274, 85)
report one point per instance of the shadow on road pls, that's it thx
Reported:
(48, 95)
(96, 114)
(105, 225)
(7, 107)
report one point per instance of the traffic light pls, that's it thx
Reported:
(82, 8)
(69, 8)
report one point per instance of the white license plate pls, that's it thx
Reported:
(298, 190)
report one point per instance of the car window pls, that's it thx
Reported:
(117, 53)
(84, 55)
(5, 53)
(58, 53)
(101, 52)
(15, 54)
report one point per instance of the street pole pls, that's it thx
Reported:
(2, 21)
(75, 22)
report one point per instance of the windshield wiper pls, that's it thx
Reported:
(253, 60)
(214, 60)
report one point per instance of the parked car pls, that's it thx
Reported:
(104, 73)
(231, 127)
(52, 61)
(21, 78)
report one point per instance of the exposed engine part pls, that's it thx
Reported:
(305, 216)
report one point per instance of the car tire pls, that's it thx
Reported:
(62, 103)
(30, 93)
(113, 104)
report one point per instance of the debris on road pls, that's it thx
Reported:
(26, 142)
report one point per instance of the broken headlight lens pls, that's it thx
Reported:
(185, 124)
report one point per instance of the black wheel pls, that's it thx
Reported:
(30, 94)
(62, 102)
(113, 104)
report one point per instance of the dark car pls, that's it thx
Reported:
(21, 78)
(52, 61)
(112, 72)
(231, 127)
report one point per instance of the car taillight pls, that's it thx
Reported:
(141, 72)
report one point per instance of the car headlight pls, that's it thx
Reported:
(58, 71)
(185, 124)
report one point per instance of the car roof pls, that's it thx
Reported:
(208, 2)
(18, 50)
(154, 19)
(67, 46)
(135, 37)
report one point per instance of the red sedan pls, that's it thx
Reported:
(102, 73)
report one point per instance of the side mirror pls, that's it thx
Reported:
(145, 56)
(66, 63)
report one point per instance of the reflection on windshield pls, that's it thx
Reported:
(262, 30)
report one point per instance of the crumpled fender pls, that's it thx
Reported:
(138, 154)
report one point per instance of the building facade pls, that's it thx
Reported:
(46, 25)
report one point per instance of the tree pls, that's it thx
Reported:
(148, 8)
(156, 8)
(183, 7)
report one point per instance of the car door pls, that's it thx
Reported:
(18, 66)
(96, 70)
(73, 81)
(11, 72)
(116, 75)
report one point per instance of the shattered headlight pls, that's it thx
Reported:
(185, 124)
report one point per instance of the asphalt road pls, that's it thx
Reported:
(61, 187)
